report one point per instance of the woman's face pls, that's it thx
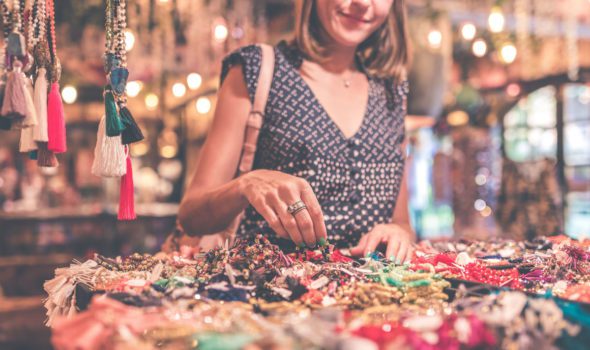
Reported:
(350, 22)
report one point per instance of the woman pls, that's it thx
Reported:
(331, 142)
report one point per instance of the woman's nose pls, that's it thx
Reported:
(360, 5)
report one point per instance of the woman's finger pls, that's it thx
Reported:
(289, 195)
(372, 242)
(305, 225)
(271, 217)
(287, 220)
(360, 247)
(316, 214)
(402, 252)
(392, 248)
(264, 207)
(410, 253)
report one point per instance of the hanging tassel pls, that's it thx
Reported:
(30, 119)
(33, 155)
(126, 194)
(14, 104)
(40, 101)
(109, 154)
(5, 123)
(114, 125)
(132, 132)
(45, 157)
(56, 124)
(27, 140)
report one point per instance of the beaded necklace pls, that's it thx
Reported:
(115, 54)
(37, 23)
(55, 71)
(7, 24)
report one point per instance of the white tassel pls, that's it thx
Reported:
(110, 159)
(40, 101)
(27, 139)
(30, 119)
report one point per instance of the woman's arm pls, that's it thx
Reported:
(214, 198)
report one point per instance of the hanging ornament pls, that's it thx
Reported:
(132, 132)
(117, 128)
(14, 105)
(126, 196)
(109, 154)
(55, 112)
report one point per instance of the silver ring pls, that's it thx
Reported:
(296, 207)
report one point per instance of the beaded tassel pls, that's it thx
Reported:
(132, 132)
(14, 104)
(109, 154)
(114, 126)
(40, 101)
(126, 195)
(56, 124)
(46, 158)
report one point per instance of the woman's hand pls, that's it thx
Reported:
(271, 192)
(398, 239)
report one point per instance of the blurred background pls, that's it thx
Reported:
(499, 128)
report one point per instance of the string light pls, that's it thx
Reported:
(133, 88)
(457, 118)
(69, 94)
(220, 31)
(513, 90)
(435, 38)
(487, 211)
(151, 101)
(508, 53)
(129, 40)
(496, 20)
(479, 204)
(468, 31)
(481, 179)
(479, 48)
(203, 105)
(178, 90)
(194, 81)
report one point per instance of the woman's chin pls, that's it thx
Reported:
(350, 39)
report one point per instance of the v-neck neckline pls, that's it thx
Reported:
(325, 113)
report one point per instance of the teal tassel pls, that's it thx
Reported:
(114, 126)
(132, 132)
(33, 155)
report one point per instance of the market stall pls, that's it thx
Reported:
(251, 295)
(104, 111)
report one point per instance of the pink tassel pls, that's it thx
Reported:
(56, 124)
(126, 195)
(14, 105)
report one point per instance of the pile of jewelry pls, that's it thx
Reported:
(557, 265)
(254, 295)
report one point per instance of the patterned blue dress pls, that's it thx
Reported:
(356, 179)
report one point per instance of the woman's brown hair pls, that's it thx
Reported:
(385, 53)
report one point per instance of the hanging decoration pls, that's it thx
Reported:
(29, 88)
(117, 129)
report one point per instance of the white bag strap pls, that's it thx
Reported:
(256, 116)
